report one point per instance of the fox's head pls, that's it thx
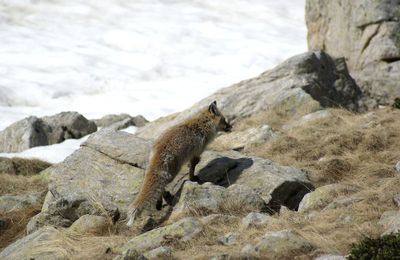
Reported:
(218, 118)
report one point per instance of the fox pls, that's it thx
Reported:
(178, 145)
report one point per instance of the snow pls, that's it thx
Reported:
(148, 57)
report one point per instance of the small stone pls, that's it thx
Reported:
(230, 239)
(249, 250)
(161, 252)
(390, 220)
(91, 224)
(132, 254)
(255, 219)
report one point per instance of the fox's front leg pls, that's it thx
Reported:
(193, 162)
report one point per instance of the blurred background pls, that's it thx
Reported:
(150, 57)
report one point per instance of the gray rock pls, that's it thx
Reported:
(18, 202)
(255, 219)
(322, 196)
(181, 231)
(108, 120)
(249, 250)
(32, 131)
(120, 146)
(46, 243)
(90, 224)
(23, 134)
(161, 252)
(230, 239)
(321, 114)
(67, 125)
(366, 34)
(330, 257)
(304, 82)
(240, 140)
(89, 182)
(130, 254)
(390, 221)
(208, 198)
(397, 167)
(280, 244)
(277, 185)
(344, 202)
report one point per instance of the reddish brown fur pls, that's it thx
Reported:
(178, 145)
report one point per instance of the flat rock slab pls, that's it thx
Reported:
(18, 202)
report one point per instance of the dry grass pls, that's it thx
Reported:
(355, 149)
(16, 221)
(21, 166)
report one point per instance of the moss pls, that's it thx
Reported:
(385, 247)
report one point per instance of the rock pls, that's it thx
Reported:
(21, 166)
(18, 202)
(32, 131)
(46, 243)
(396, 200)
(89, 224)
(277, 185)
(230, 239)
(181, 231)
(366, 34)
(208, 198)
(108, 120)
(131, 254)
(23, 134)
(255, 219)
(249, 250)
(344, 202)
(322, 196)
(397, 167)
(390, 220)
(321, 114)
(120, 146)
(330, 257)
(67, 125)
(161, 252)
(91, 182)
(307, 81)
(282, 244)
(239, 140)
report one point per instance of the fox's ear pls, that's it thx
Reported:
(213, 108)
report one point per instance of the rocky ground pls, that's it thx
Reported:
(306, 172)
(311, 167)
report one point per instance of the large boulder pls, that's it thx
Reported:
(32, 131)
(307, 82)
(278, 185)
(23, 134)
(366, 33)
(208, 198)
(67, 125)
(96, 179)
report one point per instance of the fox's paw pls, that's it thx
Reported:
(131, 216)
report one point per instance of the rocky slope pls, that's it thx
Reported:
(366, 33)
(305, 173)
